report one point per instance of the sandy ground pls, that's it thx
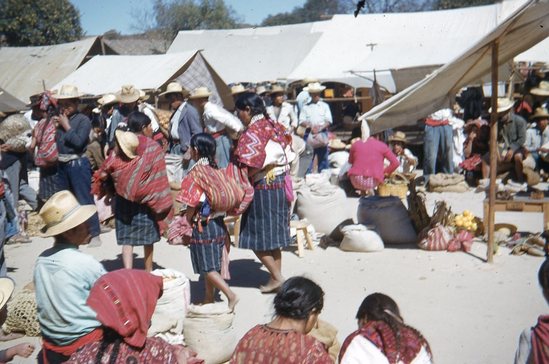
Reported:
(470, 311)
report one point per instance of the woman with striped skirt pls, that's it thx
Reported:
(209, 241)
(264, 152)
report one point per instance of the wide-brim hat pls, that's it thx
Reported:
(277, 89)
(237, 89)
(62, 212)
(260, 90)
(540, 113)
(7, 285)
(34, 100)
(510, 229)
(173, 88)
(67, 92)
(314, 87)
(398, 136)
(128, 142)
(128, 94)
(308, 80)
(107, 99)
(504, 104)
(541, 90)
(336, 144)
(199, 93)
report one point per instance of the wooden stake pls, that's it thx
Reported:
(493, 152)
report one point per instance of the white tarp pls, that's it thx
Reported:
(107, 74)
(26, 71)
(406, 46)
(524, 28)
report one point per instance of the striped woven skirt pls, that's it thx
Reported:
(134, 223)
(266, 223)
(207, 246)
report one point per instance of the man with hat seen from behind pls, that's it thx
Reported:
(63, 276)
(541, 93)
(127, 98)
(73, 167)
(185, 121)
(218, 122)
(316, 116)
(513, 133)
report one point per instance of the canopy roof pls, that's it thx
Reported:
(26, 71)
(526, 27)
(346, 49)
(8, 103)
(107, 74)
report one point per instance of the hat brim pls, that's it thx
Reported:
(397, 140)
(128, 99)
(170, 92)
(539, 116)
(65, 97)
(7, 286)
(314, 90)
(202, 96)
(77, 217)
(539, 92)
(512, 228)
(127, 152)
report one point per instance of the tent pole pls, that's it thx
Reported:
(493, 152)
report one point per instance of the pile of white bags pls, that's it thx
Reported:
(357, 238)
(324, 205)
(210, 332)
(169, 316)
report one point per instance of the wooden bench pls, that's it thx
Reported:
(302, 234)
(520, 204)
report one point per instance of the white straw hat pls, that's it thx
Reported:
(314, 87)
(200, 92)
(173, 88)
(62, 212)
(128, 94)
(128, 142)
(67, 92)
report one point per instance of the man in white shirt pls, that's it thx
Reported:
(280, 110)
(218, 122)
(316, 116)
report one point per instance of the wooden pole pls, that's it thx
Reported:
(493, 152)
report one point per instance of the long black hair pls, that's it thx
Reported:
(253, 101)
(298, 298)
(204, 144)
(380, 307)
(137, 121)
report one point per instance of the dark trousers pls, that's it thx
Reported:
(75, 176)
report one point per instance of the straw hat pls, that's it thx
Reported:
(67, 92)
(308, 80)
(541, 90)
(504, 104)
(128, 142)
(260, 90)
(398, 136)
(107, 99)
(237, 89)
(540, 113)
(6, 289)
(173, 88)
(336, 144)
(508, 229)
(128, 94)
(200, 93)
(314, 87)
(143, 95)
(62, 212)
(277, 89)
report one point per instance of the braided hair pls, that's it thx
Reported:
(254, 102)
(205, 145)
(137, 121)
(298, 298)
(380, 307)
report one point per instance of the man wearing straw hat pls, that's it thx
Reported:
(185, 121)
(537, 138)
(127, 97)
(217, 122)
(513, 132)
(73, 167)
(63, 277)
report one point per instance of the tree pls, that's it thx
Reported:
(173, 16)
(454, 4)
(35, 23)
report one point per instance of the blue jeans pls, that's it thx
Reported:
(321, 154)
(435, 137)
(75, 176)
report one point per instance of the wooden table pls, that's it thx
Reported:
(520, 204)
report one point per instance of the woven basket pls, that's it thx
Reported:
(397, 186)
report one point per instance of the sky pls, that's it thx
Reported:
(100, 16)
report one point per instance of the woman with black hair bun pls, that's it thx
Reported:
(264, 154)
(284, 340)
(534, 341)
(383, 337)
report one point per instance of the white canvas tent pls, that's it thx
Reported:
(26, 71)
(9, 103)
(526, 27)
(105, 74)
(401, 47)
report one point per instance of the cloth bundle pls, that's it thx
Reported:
(442, 182)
